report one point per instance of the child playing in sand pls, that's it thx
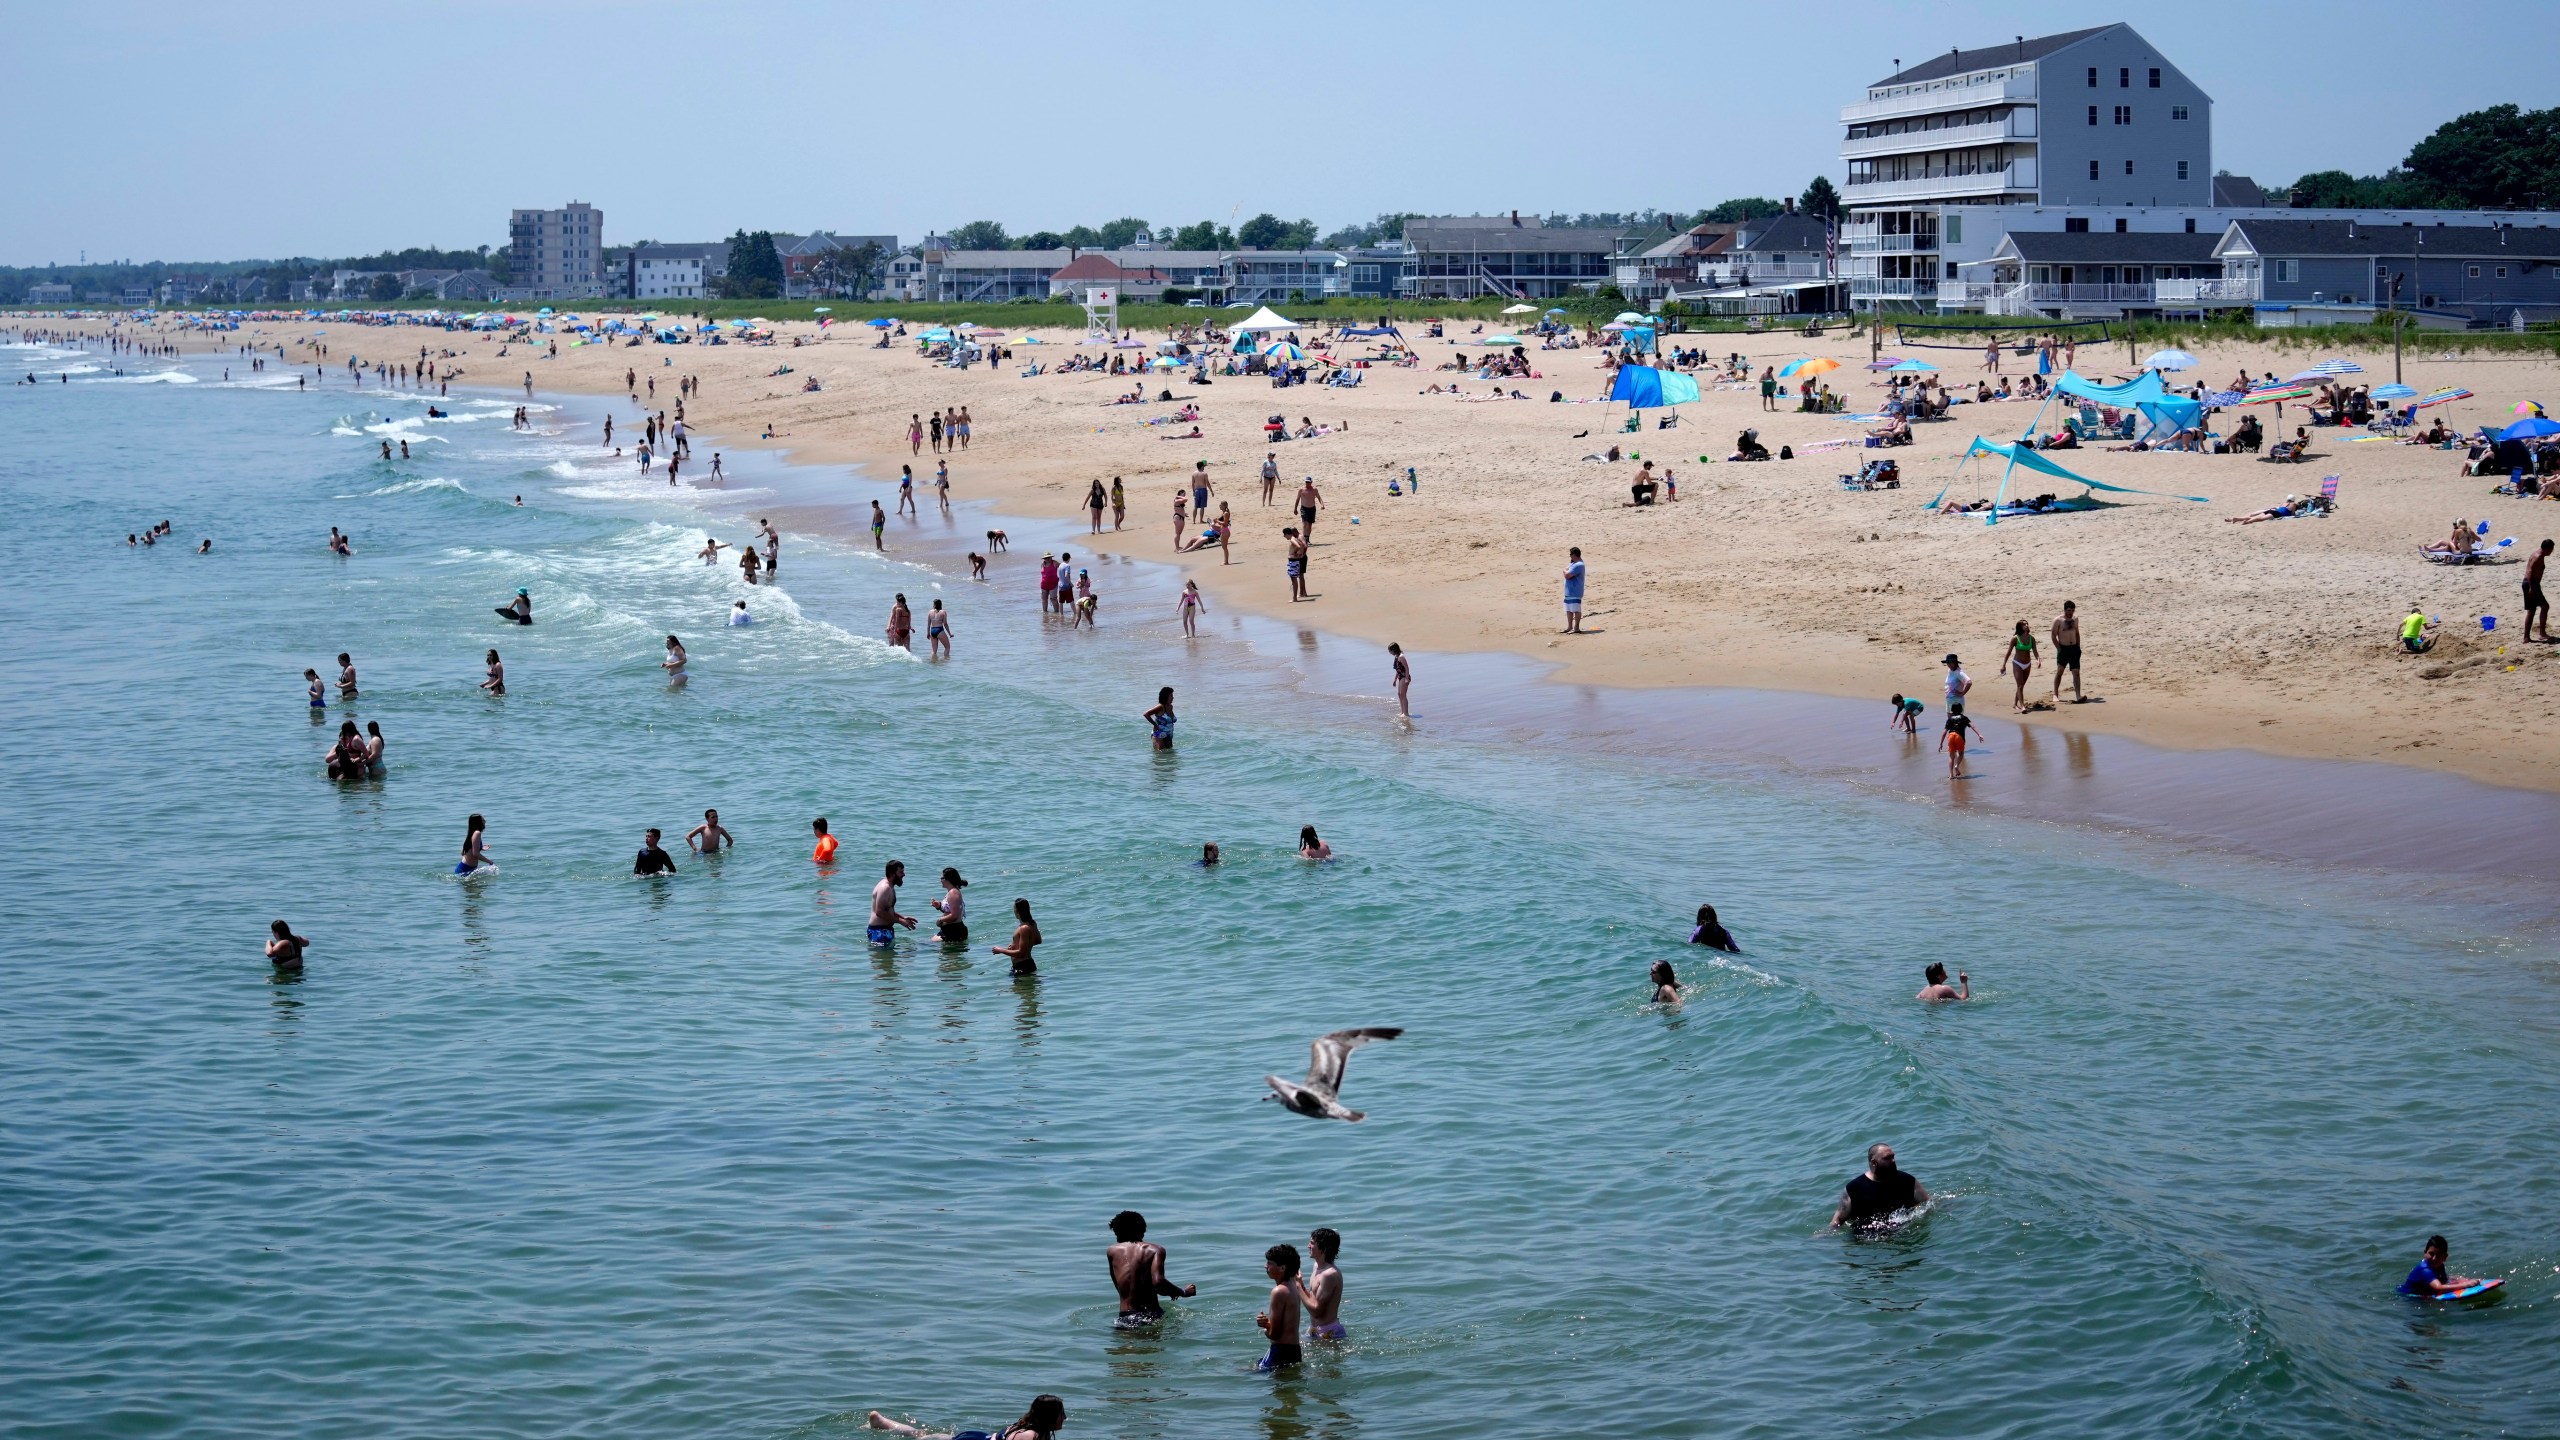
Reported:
(1906, 716)
(1958, 725)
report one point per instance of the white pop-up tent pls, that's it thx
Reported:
(1266, 319)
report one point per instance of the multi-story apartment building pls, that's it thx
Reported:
(2092, 118)
(556, 254)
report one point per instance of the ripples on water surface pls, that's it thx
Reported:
(562, 1152)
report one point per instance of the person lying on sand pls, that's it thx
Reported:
(2291, 507)
(2461, 542)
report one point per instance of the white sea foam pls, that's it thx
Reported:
(156, 377)
(411, 487)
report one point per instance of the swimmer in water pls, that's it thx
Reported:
(1280, 1319)
(475, 845)
(1160, 719)
(285, 950)
(937, 632)
(953, 907)
(1209, 856)
(1871, 1199)
(2429, 1279)
(825, 853)
(1026, 935)
(205, 548)
(738, 614)
(1310, 847)
(518, 611)
(1322, 1287)
(902, 623)
(346, 677)
(885, 918)
(1711, 934)
(1665, 982)
(496, 684)
(373, 747)
(710, 551)
(652, 859)
(1137, 1272)
(1042, 1421)
(319, 692)
(345, 759)
(674, 663)
(1939, 989)
(708, 838)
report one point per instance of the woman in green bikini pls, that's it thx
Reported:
(2022, 663)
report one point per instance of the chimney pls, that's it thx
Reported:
(1515, 219)
(1790, 203)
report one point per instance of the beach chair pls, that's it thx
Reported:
(2287, 452)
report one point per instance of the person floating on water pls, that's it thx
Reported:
(1046, 1416)
(1137, 1272)
(2429, 1280)
(1871, 1200)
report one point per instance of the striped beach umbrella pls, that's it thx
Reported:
(2439, 397)
(2280, 390)
(2338, 367)
(2394, 392)
(1810, 365)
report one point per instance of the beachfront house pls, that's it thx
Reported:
(2096, 274)
(556, 254)
(1277, 276)
(2346, 270)
(1781, 264)
(1217, 276)
(1460, 257)
(48, 292)
(821, 263)
(1380, 271)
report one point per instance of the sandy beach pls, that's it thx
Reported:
(2278, 637)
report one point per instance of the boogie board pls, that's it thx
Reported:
(2467, 1292)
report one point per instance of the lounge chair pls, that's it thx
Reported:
(2288, 452)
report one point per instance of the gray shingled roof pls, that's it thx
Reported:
(2332, 237)
(1785, 232)
(1550, 239)
(1958, 62)
(2238, 192)
(2107, 247)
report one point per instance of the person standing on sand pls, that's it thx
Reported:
(933, 429)
(915, 434)
(1094, 500)
(1959, 684)
(2021, 663)
(1181, 514)
(1270, 476)
(2066, 649)
(1200, 487)
(1991, 356)
(1310, 500)
(1119, 503)
(1769, 388)
(2536, 607)
(1402, 674)
(966, 426)
(1573, 578)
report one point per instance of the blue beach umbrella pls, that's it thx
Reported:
(2530, 428)
(2170, 360)
(879, 324)
(2395, 392)
(1912, 367)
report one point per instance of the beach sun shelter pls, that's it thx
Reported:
(1265, 320)
(1644, 388)
(2023, 456)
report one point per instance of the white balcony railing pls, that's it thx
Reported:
(1885, 287)
(2018, 175)
(2019, 126)
(2225, 291)
(1763, 272)
(1941, 95)
(1873, 244)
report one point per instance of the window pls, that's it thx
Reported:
(1951, 269)
(2182, 174)
(1955, 232)
(2093, 169)
(2124, 79)
(2502, 272)
(2288, 271)
(2155, 77)
(2120, 222)
(2076, 224)
(2093, 77)
(2093, 114)
(2177, 112)
(2128, 167)
(2124, 114)
(2473, 272)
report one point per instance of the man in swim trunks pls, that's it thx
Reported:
(1322, 1287)
(885, 918)
(1310, 500)
(1876, 1196)
(1137, 1272)
(2066, 649)
(2535, 606)
(1574, 574)
(708, 837)
(1280, 1322)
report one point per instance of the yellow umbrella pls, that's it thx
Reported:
(1812, 365)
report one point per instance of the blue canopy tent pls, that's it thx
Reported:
(2146, 386)
(1644, 388)
(2021, 455)
(2170, 415)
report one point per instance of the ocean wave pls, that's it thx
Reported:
(156, 377)
(411, 487)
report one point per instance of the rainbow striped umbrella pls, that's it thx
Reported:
(2439, 397)
(2280, 390)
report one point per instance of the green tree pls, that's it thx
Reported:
(2498, 156)
(1263, 232)
(386, 286)
(1206, 235)
(978, 235)
(755, 267)
(1042, 240)
(1819, 200)
(1748, 207)
(1123, 231)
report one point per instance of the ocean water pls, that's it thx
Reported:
(562, 1152)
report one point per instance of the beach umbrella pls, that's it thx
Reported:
(2280, 390)
(1810, 365)
(1884, 362)
(1285, 350)
(2443, 396)
(1913, 367)
(2527, 407)
(1514, 339)
(1628, 317)
(1165, 362)
(2338, 367)
(2224, 397)
(2531, 428)
(2395, 392)
(1519, 309)
(881, 324)
(822, 309)
(1555, 309)
(2170, 360)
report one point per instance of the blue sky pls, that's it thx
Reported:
(197, 132)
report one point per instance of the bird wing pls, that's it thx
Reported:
(1329, 1053)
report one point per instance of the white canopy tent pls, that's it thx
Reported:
(1266, 319)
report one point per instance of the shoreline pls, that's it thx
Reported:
(2242, 670)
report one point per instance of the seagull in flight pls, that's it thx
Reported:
(1316, 1097)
